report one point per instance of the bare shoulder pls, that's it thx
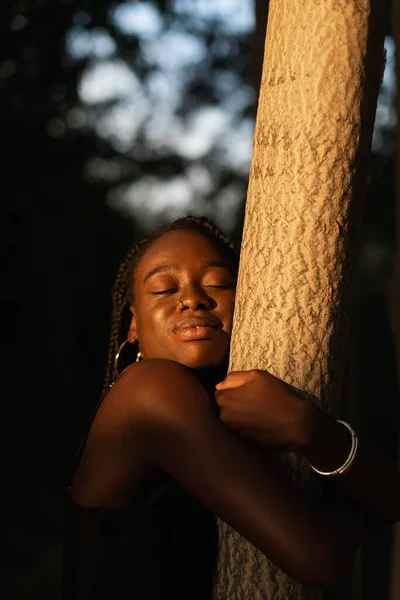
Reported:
(148, 372)
(159, 388)
(145, 404)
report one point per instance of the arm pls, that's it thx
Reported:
(263, 408)
(175, 427)
(373, 480)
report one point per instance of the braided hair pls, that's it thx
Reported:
(122, 295)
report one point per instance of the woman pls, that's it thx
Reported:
(163, 455)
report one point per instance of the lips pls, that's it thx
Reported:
(197, 323)
(191, 329)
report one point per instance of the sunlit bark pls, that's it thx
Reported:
(321, 75)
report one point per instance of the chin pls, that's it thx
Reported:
(204, 361)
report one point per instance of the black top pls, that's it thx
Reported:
(163, 550)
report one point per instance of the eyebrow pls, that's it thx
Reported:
(169, 268)
(165, 269)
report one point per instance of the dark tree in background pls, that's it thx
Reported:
(116, 116)
(56, 238)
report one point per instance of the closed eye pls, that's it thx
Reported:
(168, 291)
(218, 287)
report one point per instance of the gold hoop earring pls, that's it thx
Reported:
(116, 359)
(138, 356)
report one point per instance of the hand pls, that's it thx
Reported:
(263, 408)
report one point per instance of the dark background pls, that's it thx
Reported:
(114, 118)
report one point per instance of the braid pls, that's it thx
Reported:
(118, 300)
(122, 294)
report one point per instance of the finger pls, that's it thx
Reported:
(235, 379)
(223, 396)
(220, 397)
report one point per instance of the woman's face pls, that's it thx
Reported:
(184, 290)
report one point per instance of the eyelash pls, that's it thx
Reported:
(218, 287)
(164, 291)
(170, 290)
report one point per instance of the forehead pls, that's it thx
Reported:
(180, 247)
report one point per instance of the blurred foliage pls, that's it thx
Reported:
(69, 214)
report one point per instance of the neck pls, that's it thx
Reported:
(210, 376)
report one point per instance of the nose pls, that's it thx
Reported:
(194, 297)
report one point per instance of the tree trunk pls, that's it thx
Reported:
(322, 70)
(394, 287)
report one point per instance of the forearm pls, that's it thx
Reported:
(373, 481)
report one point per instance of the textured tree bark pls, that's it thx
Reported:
(322, 70)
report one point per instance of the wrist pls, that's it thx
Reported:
(326, 441)
(304, 428)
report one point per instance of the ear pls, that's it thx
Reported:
(132, 335)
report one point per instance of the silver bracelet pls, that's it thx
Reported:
(349, 460)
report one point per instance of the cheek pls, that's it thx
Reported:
(143, 320)
(153, 322)
(159, 319)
